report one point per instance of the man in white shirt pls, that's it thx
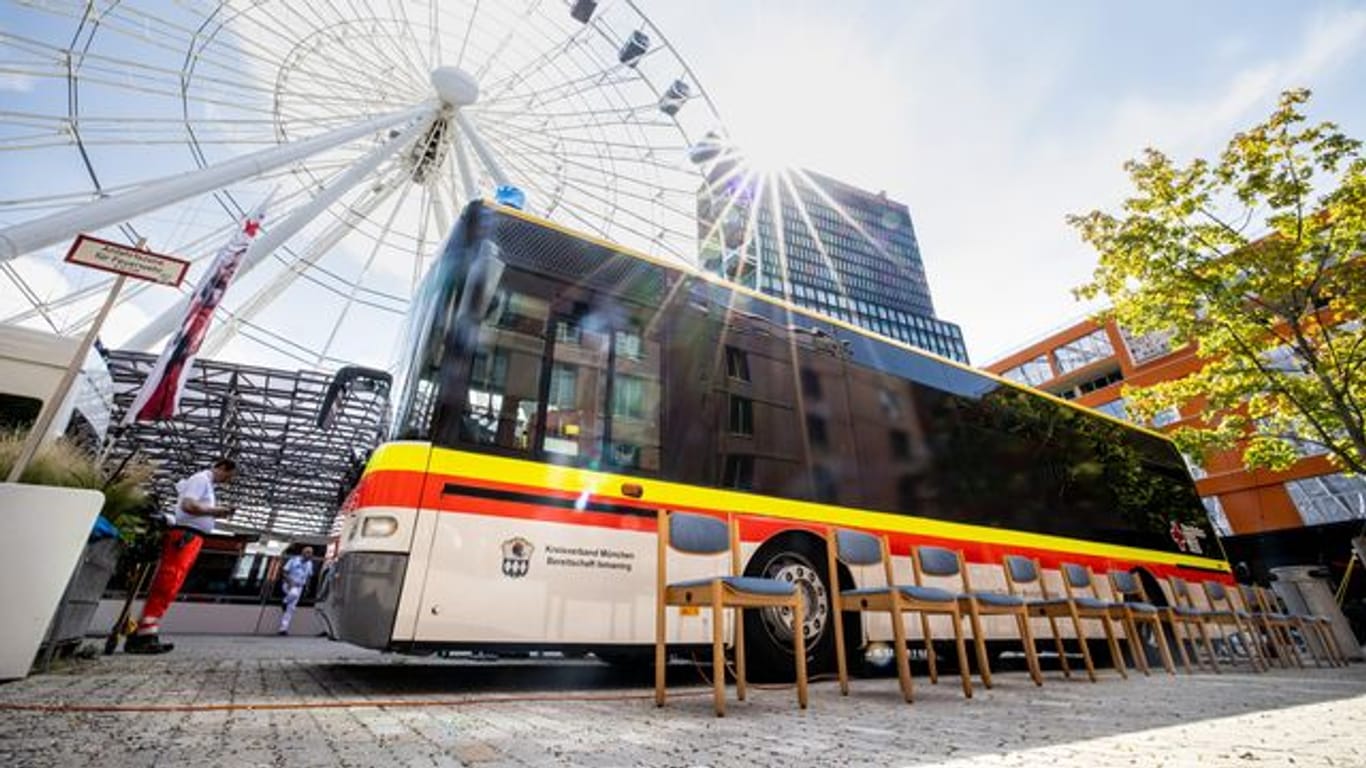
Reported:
(297, 571)
(195, 512)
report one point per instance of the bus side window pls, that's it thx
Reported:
(634, 441)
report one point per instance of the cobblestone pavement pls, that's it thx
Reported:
(303, 702)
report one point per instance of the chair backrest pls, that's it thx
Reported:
(698, 534)
(1076, 577)
(1215, 593)
(1126, 584)
(1022, 571)
(1181, 592)
(939, 562)
(857, 547)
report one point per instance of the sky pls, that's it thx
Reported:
(993, 120)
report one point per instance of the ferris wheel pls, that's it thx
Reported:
(367, 125)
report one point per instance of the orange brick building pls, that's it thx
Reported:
(1090, 364)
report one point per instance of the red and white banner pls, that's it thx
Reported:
(159, 397)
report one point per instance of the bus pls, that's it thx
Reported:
(554, 391)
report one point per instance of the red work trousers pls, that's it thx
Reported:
(179, 548)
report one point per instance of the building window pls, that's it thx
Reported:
(901, 444)
(1168, 415)
(1032, 372)
(811, 384)
(739, 472)
(1149, 346)
(815, 430)
(737, 364)
(741, 415)
(628, 397)
(1114, 408)
(1217, 519)
(563, 386)
(1081, 352)
(1197, 472)
(1329, 498)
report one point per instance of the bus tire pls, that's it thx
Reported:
(799, 558)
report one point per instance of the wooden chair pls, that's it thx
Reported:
(1315, 630)
(941, 562)
(1224, 612)
(1140, 610)
(702, 535)
(1021, 571)
(857, 548)
(1182, 615)
(1276, 624)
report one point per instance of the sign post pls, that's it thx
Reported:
(126, 262)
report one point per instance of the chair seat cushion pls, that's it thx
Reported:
(996, 598)
(1082, 602)
(748, 584)
(1140, 607)
(927, 594)
(1186, 610)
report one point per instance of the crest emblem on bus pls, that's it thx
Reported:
(517, 557)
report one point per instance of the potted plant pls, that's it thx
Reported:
(48, 517)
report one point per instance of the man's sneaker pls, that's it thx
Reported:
(146, 644)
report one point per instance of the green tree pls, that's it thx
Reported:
(1256, 259)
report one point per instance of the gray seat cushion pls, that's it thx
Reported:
(927, 594)
(1082, 602)
(996, 598)
(748, 584)
(1141, 607)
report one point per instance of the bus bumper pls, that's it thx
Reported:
(360, 597)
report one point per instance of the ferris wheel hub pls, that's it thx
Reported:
(455, 86)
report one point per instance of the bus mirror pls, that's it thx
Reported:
(351, 382)
(479, 296)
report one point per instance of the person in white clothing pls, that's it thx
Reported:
(297, 571)
(196, 510)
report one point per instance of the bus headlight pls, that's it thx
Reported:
(379, 527)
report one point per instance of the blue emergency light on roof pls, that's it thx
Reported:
(510, 196)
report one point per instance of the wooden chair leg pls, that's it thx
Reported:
(903, 661)
(1162, 649)
(1081, 640)
(1181, 635)
(1116, 656)
(979, 641)
(1209, 647)
(718, 652)
(799, 650)
(929, 648)
(841, 662)
(1131, 638)
(1062, 650)
(740, 689)
(1031, 653)
(661, 655)
(964, 670)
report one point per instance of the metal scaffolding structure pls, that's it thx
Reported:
(292, 475)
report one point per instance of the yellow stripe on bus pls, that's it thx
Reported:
(414, 457)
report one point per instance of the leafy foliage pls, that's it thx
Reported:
(63, 464)
(1252, 262)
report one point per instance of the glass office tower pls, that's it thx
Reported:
(823, 244)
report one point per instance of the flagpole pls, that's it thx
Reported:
(48, 414)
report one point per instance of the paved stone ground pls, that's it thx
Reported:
(335, 705)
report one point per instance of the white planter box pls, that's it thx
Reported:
(42, 532)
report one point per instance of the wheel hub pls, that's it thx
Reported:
(815, 600)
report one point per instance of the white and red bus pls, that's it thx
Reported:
(555, 391)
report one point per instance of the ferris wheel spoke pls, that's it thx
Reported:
(271, 291)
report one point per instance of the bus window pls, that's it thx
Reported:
(503, 392)
(635, 439)
(578, 387)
